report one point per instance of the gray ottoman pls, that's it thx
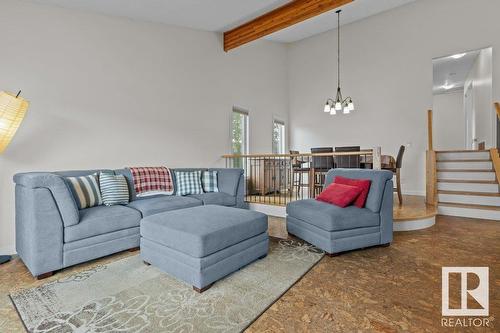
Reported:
(200, 245)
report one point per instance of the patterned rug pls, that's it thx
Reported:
(128, 296)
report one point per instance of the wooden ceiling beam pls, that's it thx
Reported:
(280, 18)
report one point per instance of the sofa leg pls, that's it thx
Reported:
(200, 290)
(44, 275)
(332, 254)
(146, 263)
(134, 249)
(385, 245)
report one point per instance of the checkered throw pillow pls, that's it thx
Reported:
(188, 182)
(209, 181)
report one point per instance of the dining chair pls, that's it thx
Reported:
(397, 171)
(349, 162)
(320, 166)
(298, 171)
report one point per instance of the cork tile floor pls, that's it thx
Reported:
(392, 289)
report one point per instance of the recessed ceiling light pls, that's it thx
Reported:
(458, 56)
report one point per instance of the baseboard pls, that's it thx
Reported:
(7, 250)
(410, 192)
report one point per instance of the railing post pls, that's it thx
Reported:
(431, 196)
(429, 130)
(377, 158)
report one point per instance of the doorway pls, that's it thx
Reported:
(470, 118)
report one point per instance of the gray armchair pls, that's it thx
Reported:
(334, 229)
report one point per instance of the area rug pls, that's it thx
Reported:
(128, 296)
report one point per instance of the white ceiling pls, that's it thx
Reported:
(452, 72)
(221, 15)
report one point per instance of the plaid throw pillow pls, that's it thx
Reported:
(188, 182)
(209, 181)
(85, 190)
(114, 189)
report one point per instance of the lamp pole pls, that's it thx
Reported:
(6, 258)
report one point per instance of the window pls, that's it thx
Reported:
(278, 137)
(239, 134)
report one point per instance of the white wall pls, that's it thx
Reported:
(449, 120)
(387, 70)
(111, 92)
(481, 78)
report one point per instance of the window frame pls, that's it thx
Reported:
(246, 129)
(280, 121)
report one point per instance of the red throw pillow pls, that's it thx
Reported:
(339, 194)
(364, 184)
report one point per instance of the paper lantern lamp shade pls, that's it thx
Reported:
(12, 111)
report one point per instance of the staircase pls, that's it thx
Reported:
(467, 184)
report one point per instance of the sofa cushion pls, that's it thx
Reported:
(163, 203)
(201, 231)
(228, 179)
(379, 179)
(100, 220)
(214, 198)
(330, 217)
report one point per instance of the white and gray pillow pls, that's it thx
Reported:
(209, 181)
(85, 190)
(114, 189)
(188, 182)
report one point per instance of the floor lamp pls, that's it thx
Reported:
(12, 111)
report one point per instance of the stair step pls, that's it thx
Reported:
(464, 155)
(451, 204)
(468, 165)
(468, 186)
(446, 175)
(468, 210)
(473, 199)
(467, 181)
(462, 151)
(486, 194)
(465, 170)
(466, 160)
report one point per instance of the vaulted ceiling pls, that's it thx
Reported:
(222, 15)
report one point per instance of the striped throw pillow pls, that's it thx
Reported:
(209, 181)
(85, 190)
(114, 189)
(188, 182)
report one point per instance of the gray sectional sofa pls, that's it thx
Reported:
(51, 233)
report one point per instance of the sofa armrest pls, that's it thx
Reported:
(65, 203)
(386, 214)
(39, 230)
(228, 179)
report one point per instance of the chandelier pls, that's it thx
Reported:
(339, 103)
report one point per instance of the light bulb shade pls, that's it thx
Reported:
(12, 111)
(333, 112)
(350, 106)
(327, 107)
(338, 106)
(346, 110)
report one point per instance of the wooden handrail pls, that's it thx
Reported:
(497, 107)
(353, 153)
(495, 158)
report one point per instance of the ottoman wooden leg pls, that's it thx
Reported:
(386, 245)
(332, 254)
(198, 290)
(134, 249)
(44, 275)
